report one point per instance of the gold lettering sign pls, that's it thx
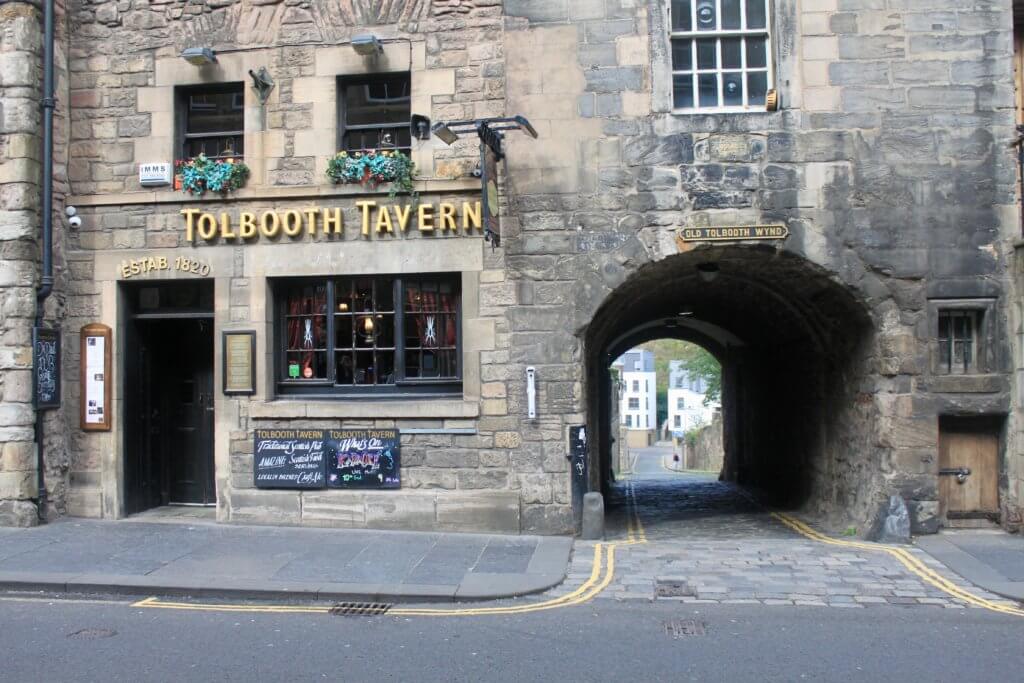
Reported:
(733, 233)
(375, 220)
(130, 268)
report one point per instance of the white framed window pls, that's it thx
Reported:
(634, 404)
(636, 386)
(720, 54)
(629, 420)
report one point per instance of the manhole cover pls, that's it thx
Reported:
(93, 633)
(672, 589)
(685, 627)
(359, 609)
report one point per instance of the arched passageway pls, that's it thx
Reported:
(792, 343)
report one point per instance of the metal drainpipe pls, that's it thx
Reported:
(46, 210)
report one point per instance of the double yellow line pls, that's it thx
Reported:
(913, 565)
(601, 574)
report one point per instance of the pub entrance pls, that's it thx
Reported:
(168, 391)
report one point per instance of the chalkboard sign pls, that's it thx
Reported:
(46, 367)
(289, 458)
(363, 459)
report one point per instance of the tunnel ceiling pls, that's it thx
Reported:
(762, 296)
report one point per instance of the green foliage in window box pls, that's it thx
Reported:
(372, 167)
(200, 174)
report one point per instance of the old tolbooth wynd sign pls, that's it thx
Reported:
(375, 220)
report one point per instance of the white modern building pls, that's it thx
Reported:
(638, 406)
(686, 393)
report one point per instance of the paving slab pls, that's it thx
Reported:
(186, 558)
(991, 559)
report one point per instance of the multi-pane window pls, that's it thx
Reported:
(958, 341)
(374, 112)
(720, 54)
(211, 121)
(629, 420)
(369, 335)
(680, 404)
(636, 385)
(634, 404)
(678, 421)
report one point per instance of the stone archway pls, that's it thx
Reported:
(794, 344)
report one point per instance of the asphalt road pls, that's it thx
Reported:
(598, 641)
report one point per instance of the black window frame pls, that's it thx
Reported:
(181, 134)
(403, 386)
(342, 111)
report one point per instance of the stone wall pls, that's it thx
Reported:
(707, 450)
(887, 162)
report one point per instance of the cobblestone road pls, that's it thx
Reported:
(706, 542)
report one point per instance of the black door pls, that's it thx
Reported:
(169, 430)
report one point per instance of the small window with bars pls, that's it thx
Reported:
(211, 121)
(720, 54)
(374, 112)
(958, 341)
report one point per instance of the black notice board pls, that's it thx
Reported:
(289, 458)
(46, 367)
(363, 459)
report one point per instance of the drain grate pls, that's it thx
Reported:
(93, 633)
(686, 627)
(359, 609)
(673, 589)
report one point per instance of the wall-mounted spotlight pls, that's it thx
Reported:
(262, 83)
(445, 134)
(199, 56)
(419, 127)
(74, 220)
(367, 45)
(707, 271)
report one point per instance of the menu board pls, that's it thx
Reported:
(363, 459)
(319, 458)
(94, 362)
(46, 367)
(289, 458)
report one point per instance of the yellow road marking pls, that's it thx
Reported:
(913, 565)
(601, 575)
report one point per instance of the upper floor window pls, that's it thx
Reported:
(680, 404)
(634, 404)
(211, 121)
(720, 54)
(636, 385)
(374, 112)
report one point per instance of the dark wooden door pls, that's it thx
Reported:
(169, 414)
(190, 426)
(968, 469)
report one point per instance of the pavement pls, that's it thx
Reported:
(991, 559)
(206, 559)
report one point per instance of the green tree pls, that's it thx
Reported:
(702, 364)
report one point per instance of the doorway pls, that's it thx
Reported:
(168, 391)
(969, 471)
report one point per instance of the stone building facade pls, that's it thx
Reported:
(884, 162)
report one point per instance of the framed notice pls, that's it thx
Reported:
(94, 364)
(239, 352)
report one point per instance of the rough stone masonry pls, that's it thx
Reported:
(886, 161)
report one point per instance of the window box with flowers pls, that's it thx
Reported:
(199, 174)
(372, 167)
